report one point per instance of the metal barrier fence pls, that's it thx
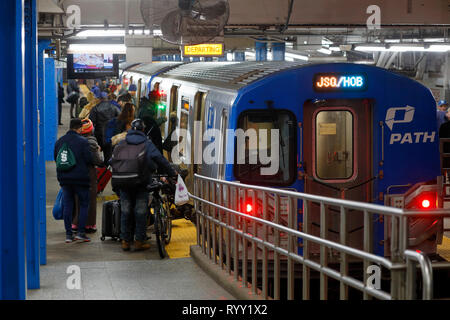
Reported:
(227, 236)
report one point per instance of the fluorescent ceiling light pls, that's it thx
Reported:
(335, 49)
(98, 48)
(326, 42)
(101, 33)
(324, 51)
(404, 48)
(296, 56)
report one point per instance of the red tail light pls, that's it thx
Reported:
(248, 208)
(426, 203)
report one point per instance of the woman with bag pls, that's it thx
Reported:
(123, 123)
(97, 155)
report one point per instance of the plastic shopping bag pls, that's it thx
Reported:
(181, 194)
(58, 207)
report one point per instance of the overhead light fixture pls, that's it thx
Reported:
(101, 33)
(335, 49)
(296, 56)
(324, 51)
(98, 48)
(404, 48)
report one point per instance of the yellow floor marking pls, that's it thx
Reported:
(184, 235)
(444, 249)
(107, 198)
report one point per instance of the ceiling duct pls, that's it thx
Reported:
(49, 6)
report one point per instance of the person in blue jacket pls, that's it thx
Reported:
(442, 113)
(76, 180)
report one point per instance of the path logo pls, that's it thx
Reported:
(408, 116)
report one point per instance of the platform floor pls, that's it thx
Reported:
(109, 273)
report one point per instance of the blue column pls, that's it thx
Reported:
(196, 59)
(163, 58)
(31, 146)
(223, 58)
(42, 45)
(178, 57)
(208, 59)
(170, 57)
(186, 59)
(12, 210)
(239, 56)
(51, 109)
(279, 50)
(261, 51)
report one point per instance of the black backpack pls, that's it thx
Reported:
(129, 166)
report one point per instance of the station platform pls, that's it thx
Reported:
(109, 273)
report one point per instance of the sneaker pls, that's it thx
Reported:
(91, 229)
(82, 238)
(70, 239)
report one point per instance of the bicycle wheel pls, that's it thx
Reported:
(160, 234)
(168, 222)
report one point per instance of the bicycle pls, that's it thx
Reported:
(161, 207)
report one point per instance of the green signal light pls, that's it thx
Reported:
(161, 107)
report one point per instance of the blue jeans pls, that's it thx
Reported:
(137, 201)
(68, 205)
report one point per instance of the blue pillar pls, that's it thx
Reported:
(208, 59)
(51, 109)
(223, 58)
(42, 45)
(31, 146)
(239, 56)
(178, 57)
(186, 59)
(196, 59)
(170, 57)
(261, 51)
(12, 215)
(279, 50)
(163, 58)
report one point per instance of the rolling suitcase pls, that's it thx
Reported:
(103, 177)
(111, 220)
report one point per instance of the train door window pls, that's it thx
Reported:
(199, 116)
(223, 144)
(264, 121)
(334, 145)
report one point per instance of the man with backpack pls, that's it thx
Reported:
(133, 162)
(73, 158)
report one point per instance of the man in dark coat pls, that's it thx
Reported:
(137, 196)
(76, 180)
(74, 94)
(100, 115)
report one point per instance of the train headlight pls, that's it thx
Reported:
(425, 203)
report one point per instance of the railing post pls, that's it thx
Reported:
(323, 252)
(306, 274)
(228, 231)
(197, 215)
(208, 222)
(213, 224)
(203, 218)
(236, 237)
(344, 258)
(221, 202)
(276, 269)
(254, 247)
(411, 271)
(368, 245)
(291, 247)
(265, 277)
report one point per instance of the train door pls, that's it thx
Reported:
(199, 129)
(338, 161)
(223, 144)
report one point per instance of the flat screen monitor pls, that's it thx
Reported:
(92, 66)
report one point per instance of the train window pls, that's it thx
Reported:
(285, 123)
(334, 145)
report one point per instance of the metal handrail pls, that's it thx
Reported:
(427, 274)
(210, 208)
(361, 206)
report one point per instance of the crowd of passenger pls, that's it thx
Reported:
(101, 121)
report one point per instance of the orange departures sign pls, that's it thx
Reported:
(204, 50)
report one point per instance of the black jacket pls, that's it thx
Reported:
(154, 157)
(78, 175)
(100, 115)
